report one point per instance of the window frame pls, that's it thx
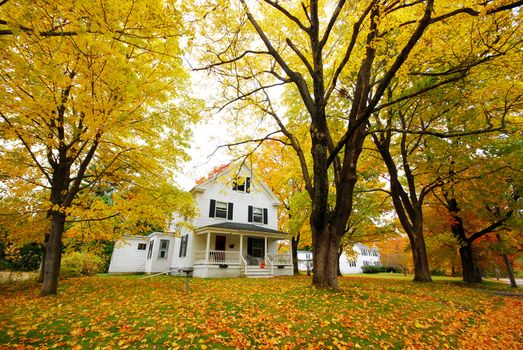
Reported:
(245, 186)
(142, 245)
(225, 210)
(183, 246)
(257, 214)
(163, 250)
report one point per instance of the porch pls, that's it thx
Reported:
(239, 250)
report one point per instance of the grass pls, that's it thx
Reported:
(372, 312)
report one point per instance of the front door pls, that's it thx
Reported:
(219, 246)
(256, 247)
(220, 243)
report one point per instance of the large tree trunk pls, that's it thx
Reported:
(53, 255)
(294, 248)
(419, 257)
(471, 272)
(325, 249)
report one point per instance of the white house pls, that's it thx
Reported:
(363, 256)
(236, 234)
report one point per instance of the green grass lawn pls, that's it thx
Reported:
(372, 312)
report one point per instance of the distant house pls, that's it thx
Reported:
(304, 260)
(363, 256)
(236, 234)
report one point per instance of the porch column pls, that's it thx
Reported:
(266, 249)
(241, 249)
(207, 247)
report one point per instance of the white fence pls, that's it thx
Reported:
(280, 259)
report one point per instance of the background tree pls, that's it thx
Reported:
(313, 47)
(91, 93)
(279, 168)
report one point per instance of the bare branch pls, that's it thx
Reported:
(287, 14)
(332, 21)
(28, 148)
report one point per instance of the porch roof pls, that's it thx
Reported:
(240, 227)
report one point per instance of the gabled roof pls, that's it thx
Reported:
(201, 187)
(241, 227)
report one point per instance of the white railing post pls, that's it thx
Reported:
(266, 250)
(207, 248)
(241, 248)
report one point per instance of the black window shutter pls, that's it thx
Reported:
(185, 245)
(229, 211)
(265, 218)
(250, 213)
(212, 208)
(248, 185)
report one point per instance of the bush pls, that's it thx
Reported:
(77, 263)
(24, 258)
(377, 269)
(372, 269)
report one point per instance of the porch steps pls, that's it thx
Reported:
(257, 272)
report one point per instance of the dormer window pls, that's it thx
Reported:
(242, 184)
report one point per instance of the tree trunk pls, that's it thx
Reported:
(325, 255)
(471, 273)
(508, 265)
(419, 257)
(53, 255)
(294, 247)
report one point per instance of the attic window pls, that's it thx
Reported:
(142, 246)
(242, 184)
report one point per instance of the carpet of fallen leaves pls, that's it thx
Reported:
(286, 313)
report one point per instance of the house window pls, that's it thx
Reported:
(258, 215)
(164, 248)
(366, 263)
(150, 252)
(242, 184)
(222, 210)
(142, 246)
(183, 246)
(352, 263)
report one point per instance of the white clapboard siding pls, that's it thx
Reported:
(126, 257)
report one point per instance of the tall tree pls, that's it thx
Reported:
(313, 47)
(91, 92)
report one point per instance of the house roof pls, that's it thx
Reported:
(242, 227)
(201, 187)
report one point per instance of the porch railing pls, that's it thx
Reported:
(218, 257)
(280, 259)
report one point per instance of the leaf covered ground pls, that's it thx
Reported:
(285, 313)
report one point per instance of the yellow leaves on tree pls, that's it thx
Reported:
(93, 93)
